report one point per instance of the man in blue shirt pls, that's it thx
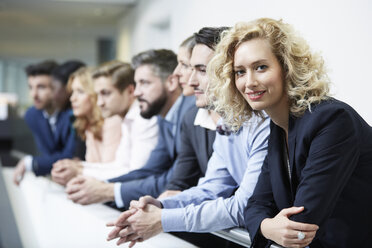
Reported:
(159, 95)
(212, 205)
(49, 124)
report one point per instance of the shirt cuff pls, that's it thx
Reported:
(28, 162)
(117, 191)
(173, 220)
(168, 202)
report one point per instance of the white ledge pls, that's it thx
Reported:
(46, 218)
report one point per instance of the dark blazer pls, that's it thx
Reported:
(52, 147)
(152, 178)
(330, 155)
(196, 149)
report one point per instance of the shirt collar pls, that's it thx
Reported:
(52, 116)
(52, 119)
(204, 119)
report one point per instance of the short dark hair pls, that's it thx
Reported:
(43, 68)
(163, 61)
(63, 71)
(209, 36)
(121, 74)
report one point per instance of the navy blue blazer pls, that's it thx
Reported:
(330, 155)
(196, 149)
(152, 178)
(52, 147)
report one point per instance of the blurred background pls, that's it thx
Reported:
(95, 31)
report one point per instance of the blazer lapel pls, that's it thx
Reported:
(180, 113)
(168, 136)
(211, 135)
(279, 175)
(202, 139)
(56, 133)
(292, 133)
(48, 137)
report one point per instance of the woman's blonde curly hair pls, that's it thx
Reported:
(305, 78)
(94, 122)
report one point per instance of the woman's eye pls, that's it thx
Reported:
(239, 73)
(261, 67)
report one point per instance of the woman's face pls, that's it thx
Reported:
(183, 71)
(259, 76)
(80, 100)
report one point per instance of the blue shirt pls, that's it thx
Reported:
(209, 206)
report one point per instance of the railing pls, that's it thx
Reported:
(236, 235)
(239, 236)
(46, 218)
(9, 236)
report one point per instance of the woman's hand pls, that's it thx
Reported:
(285, 232)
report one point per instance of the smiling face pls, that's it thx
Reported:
(81, 101)
(150, 91)
(183, 71)
(200, 57)
(259, 76)
(110, 100)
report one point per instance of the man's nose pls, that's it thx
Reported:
(193, 82)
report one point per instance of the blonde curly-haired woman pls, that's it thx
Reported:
(315, 185)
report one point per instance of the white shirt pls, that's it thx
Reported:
(52, 119)
(139, 137)
(204, 119)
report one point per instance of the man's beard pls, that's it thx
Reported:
(155, 107)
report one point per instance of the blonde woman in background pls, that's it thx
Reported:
(102, 136)
(183, 70)
(114, 85)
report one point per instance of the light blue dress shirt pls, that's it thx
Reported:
(235, 163)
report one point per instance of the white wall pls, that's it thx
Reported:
(147, 26)
(59, 47)
(340, 30)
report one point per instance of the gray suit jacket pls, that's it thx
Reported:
(196, 149)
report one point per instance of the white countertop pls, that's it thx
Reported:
(46, 218)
